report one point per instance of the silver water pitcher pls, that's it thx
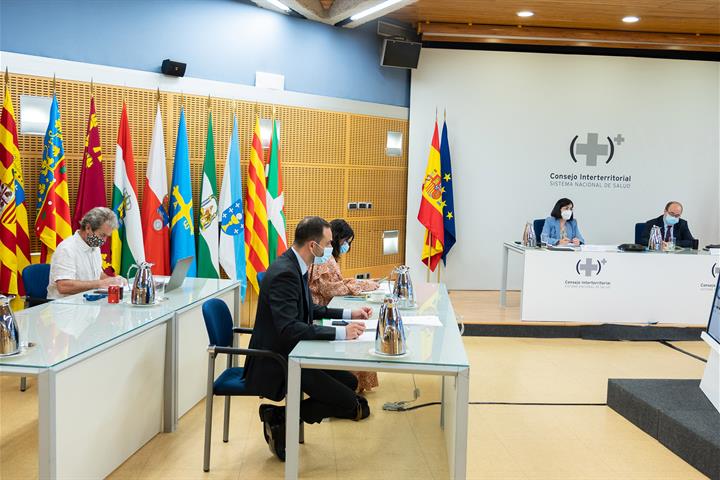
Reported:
(143, 286)
(655, 241)
(390, 334)
(403, 290)
(529, 239)
(9, 332)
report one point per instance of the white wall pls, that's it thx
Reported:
(511, 119)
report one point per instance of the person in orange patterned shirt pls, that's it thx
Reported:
(326, 281)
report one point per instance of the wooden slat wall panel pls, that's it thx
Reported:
(327, 157)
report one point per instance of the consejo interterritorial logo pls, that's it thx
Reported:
(590, 267)
(593, 150)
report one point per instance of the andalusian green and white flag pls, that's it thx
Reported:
(209, 233)
(277, 240)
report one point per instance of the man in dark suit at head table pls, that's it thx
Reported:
(671, 226)
(285, 315)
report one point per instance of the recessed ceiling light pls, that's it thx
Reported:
(281, 6)
(525, 14)
(376, 8)
(631, 19)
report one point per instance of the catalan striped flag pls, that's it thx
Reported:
(256, 219)
(9, 155)
(52, 224)
(431, 208)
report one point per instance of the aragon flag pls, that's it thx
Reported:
(431, 210)
(256, 219)
(52, 224)
(91, 189)
(127, 241)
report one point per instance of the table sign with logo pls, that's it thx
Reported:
(618, 287)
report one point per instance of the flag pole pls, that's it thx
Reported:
(427, 272)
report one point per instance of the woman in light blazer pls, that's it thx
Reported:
(560, 227)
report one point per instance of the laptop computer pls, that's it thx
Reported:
(178, 275)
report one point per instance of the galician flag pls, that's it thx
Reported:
(91, 188)
(232, 225)
(256, 220)
(52, 224)
(182, 229)
(431, 210)
(155, 217)
(127, 241)
(208, 239)
(277, 240)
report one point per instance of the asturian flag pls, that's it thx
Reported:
(182, 226)
(127, 241)
(208, 238)
(52, 224)
(232, 224)
(155, 218)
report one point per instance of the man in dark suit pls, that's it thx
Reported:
(285, 315)
(671, 226)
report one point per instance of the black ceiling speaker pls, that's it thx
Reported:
(400, 54)
(175, 69)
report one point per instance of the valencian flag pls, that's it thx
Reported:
(14, 240)
(182, 229)
(232, 224)
(431, 210)
(91, 189)
(448, 203)
(52, 224)
(127, 240)
(256, 220)
(208, 238)
(277, 241)
(155, 217)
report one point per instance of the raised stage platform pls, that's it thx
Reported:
(676, 413)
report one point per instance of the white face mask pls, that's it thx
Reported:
(566, 214)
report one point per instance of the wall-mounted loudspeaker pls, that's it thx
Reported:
(400, 54)
(172, 68)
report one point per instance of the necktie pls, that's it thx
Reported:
(308, 318)
(668, 233)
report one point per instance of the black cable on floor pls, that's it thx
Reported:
(674, 347)
(422, 405)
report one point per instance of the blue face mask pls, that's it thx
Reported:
(327, 253)
(344, 248)
(670, 220)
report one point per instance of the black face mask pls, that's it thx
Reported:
(94, 241)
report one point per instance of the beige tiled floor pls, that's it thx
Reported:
(505, 442)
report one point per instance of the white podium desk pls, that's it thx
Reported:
(430, 351)
(111, 376)
(593, 285)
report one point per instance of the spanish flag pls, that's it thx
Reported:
(256, 218)
(431, 206)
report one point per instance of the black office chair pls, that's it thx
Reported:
(639, 228)
(538, 227)
(219, 325)
(36, 278)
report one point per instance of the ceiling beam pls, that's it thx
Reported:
(519, 35)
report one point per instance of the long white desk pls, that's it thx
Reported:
(111, 376)
(431, 351)
(591, 286)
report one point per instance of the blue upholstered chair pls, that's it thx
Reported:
(639, 228)
(538, 226)
(220, 329)
(36, 278)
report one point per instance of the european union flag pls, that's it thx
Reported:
(182, 228)
(447, 194)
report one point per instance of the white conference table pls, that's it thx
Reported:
(112, 376)
(600, 284)
(431, 350)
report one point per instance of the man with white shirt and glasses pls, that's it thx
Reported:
(76, 264)
(672, 227)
